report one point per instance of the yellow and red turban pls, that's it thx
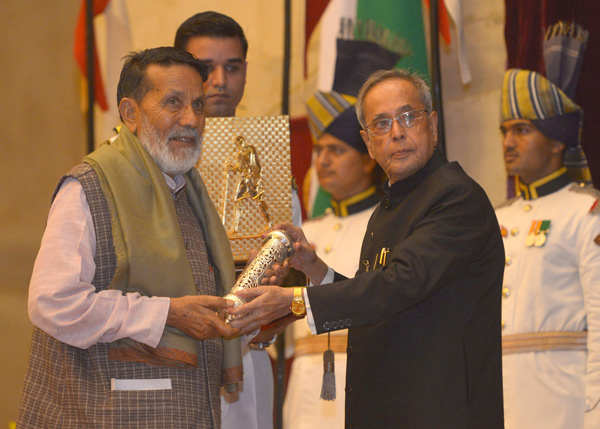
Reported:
(529, 95)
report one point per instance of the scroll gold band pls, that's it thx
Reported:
(544, 341)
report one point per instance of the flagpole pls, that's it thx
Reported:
(436, 77)
(89, 46)
(285, 109)
(285, 99)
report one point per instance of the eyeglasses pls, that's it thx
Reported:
(406, 120)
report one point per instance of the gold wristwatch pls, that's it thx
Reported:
(298, 307)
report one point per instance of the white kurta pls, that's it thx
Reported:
(554, 287)
(337, 240)
(252, 406)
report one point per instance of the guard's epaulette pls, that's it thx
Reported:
(507, 203)
(588, 189)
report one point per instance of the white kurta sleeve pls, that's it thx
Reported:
(62, 300)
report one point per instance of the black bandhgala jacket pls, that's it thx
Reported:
(424, 310)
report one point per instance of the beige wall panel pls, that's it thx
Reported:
(41, 123)
(472, 112)
(43, 135)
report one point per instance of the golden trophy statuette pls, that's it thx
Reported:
(245, 165)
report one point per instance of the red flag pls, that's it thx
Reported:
(314, 10)
(443, 22)
(301, 154)
(80, 50)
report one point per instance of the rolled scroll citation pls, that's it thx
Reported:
(275, 249)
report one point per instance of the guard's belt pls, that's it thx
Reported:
(318, 344)
(544, 341)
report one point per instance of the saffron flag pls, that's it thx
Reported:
(314, 10)
(80, 51)
(454, 9)
(114, 42)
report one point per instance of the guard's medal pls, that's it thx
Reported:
(540, 240)
(543, 229)
(530, 240)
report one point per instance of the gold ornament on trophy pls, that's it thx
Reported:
(250, 186)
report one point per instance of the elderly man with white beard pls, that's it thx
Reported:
(125, 289)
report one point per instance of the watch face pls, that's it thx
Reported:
(298, 307)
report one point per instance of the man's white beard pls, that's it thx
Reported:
(160, 151)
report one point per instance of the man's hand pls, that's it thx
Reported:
(268, 332)
(198, 317)
(274, 276)
(269, 303)
(305, 258)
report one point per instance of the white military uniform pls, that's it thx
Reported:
(337, 238)
(552, 284)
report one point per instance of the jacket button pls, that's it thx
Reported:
(348, 322)
(327, 326)
(348, 388)
(505, 292)
(334, 325)
(349, 351)
(387, 204)
(371, 237)
(341, 323)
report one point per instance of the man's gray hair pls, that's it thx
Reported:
(383, 75)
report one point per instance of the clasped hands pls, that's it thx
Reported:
(201, 317)
(270, 305)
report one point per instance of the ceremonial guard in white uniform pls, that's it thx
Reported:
(551, 291)
(346, 171)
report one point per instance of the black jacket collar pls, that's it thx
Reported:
(407, 185)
